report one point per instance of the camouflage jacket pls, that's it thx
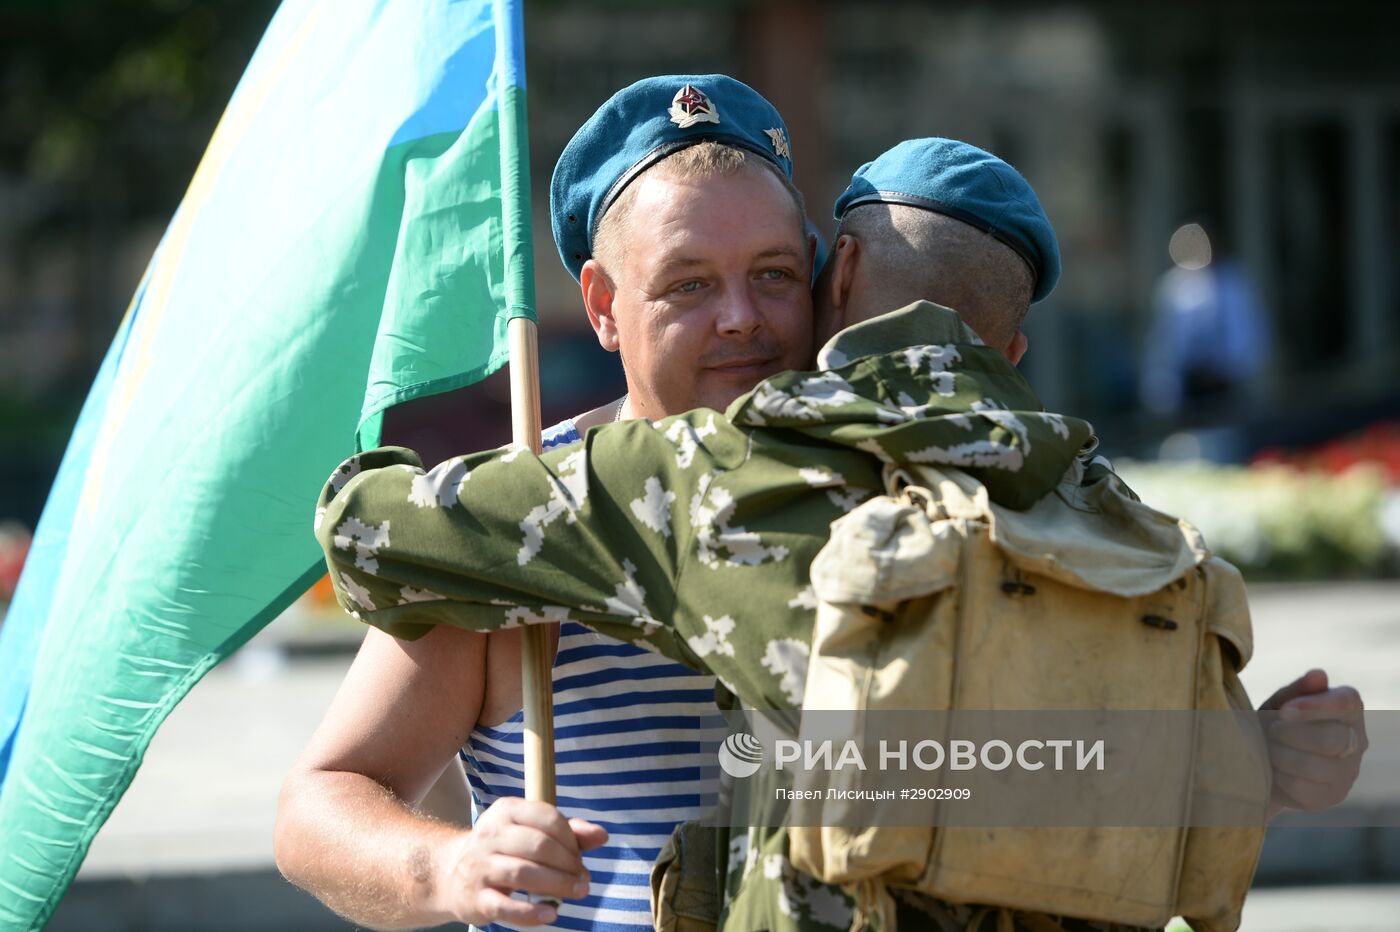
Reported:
(693, 535)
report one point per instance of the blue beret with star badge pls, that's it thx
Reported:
(968, 184)
(639, 126)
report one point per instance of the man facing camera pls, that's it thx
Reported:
(673, 207)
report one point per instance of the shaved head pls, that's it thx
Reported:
(908, 254)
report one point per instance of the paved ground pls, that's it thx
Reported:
(203, 800)
(202, 804)
(265, 902)
(1323, 909)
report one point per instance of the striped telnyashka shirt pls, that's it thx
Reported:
(630, 729)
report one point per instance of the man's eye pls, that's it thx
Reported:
(689, 287)
(775, 275)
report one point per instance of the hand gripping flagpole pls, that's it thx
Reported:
(536, 660)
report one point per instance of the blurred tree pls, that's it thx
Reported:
(105, 110)
(86, 82)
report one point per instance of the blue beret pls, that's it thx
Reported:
(641, 125)
(968, 184)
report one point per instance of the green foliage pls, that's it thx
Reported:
(83, 79)
(1275, 522)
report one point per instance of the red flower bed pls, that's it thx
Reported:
(14, 547)
(1377, 445)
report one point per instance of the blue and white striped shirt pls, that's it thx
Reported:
(629, 728)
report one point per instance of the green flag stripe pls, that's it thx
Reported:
(340, 249)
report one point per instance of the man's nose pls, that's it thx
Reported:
(739, 315)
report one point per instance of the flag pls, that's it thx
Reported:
(356, 235)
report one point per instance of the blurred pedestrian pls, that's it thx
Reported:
(1209, 336)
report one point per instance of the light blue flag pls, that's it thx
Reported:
(356, 235)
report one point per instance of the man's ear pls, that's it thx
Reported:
(1018, 347)
(845, 256)
(598, 302)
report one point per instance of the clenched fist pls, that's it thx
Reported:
(520, 845)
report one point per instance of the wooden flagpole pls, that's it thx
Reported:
(536, 662)
(536, 657)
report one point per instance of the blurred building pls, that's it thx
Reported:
(1279, 121)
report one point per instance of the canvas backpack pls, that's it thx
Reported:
(933, 597)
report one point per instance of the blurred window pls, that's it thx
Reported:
(1390, 197)
(1307, 194)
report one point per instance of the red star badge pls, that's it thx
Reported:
(691, 100)
(691, 106)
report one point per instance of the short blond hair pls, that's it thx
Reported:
(702, 161)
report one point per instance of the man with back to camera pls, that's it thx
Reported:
(588, 488)
(672, 174)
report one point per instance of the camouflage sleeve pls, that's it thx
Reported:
(765, 893)
(589, 533)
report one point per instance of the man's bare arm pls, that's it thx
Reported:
(346, 827)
